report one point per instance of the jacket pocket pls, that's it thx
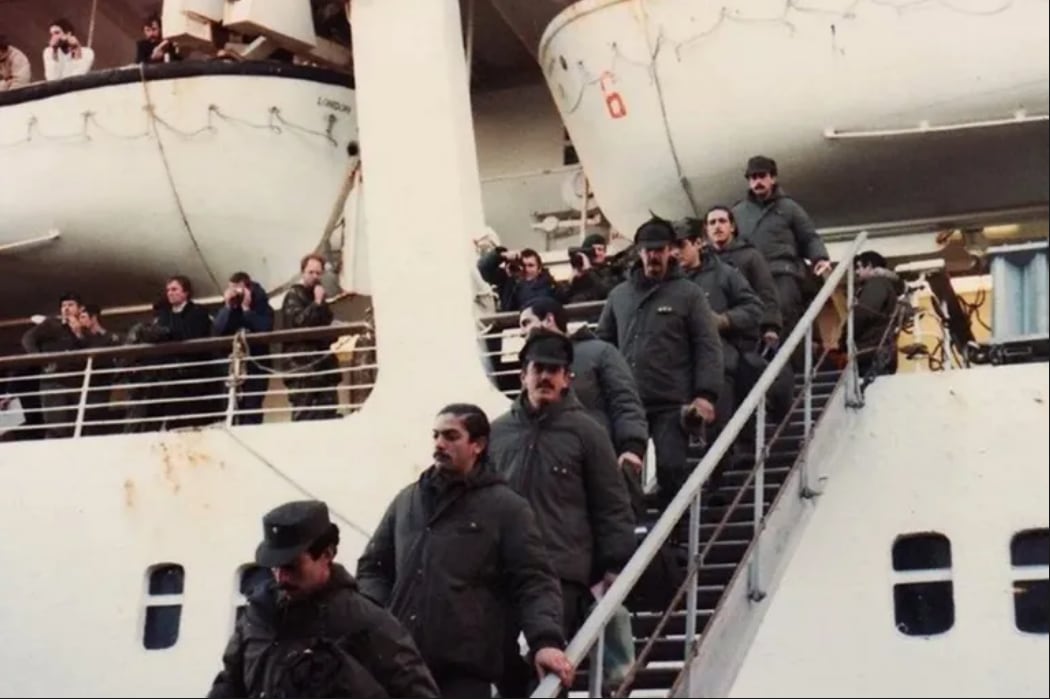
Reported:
(464, 550)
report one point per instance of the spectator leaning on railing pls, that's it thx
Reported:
(246, 307)
(14, 67)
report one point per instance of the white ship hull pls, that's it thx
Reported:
(665, 101)
(201, 169)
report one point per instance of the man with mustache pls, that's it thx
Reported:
(459, 560)
(308, 631)
(664, 327)
(562, 461)
(783, 232)
(601, 380)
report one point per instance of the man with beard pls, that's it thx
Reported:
(308, 631)
(563, 463)
(783, 232)
(458, 559)
(665, 329)
(312, 385)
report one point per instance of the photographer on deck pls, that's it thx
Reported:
(592, 275)
(519, 277)
(246, 307)
(64, 55)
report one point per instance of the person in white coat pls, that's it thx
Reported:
(64, 56)
(14, 67)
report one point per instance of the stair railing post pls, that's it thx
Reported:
(691, 594)
(85, 386)
(594, 685)
(807, 412)
(753, 571)
(853, 397)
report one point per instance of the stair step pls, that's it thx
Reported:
(643, 623)
(658, 676)
(734, 479)
(725, 554)
(668, 647)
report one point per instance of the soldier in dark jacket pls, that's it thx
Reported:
(601, 380)
(873, 313)
(458, 559)
(738, 311)
(665, 329)
(561, 460)
(308, 632)
(312, 389)
(783, 232)
(745, 257)
(737, 308)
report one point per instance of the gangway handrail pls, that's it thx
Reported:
(688, 497)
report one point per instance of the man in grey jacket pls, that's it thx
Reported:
(744, 256)
(736, 306)
(738, 311)
(601, 379)
(783, 232)
(562, 462)
(664, 327)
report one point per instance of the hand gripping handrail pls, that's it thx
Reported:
(594, 627)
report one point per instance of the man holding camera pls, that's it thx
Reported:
(64, 56)
(592, 275)
(519, 277)
(246, 307)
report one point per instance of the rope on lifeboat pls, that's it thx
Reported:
(171, 179)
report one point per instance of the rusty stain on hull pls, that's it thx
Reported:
(181, 453)
(129, 493)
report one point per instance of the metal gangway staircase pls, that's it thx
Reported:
(718, 541)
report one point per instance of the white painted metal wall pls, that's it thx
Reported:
(961, 453)
(84, 519)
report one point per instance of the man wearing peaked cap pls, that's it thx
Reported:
(663, 325)
(562, 461)
(548, 348)
(783, 232)
(288, 531)
(601, 380)
(308, 631)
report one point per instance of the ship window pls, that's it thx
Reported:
(923, 598)
(1030, 547)
(164, 584)
(1030, 556)
(926, 551)
(249, 576)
